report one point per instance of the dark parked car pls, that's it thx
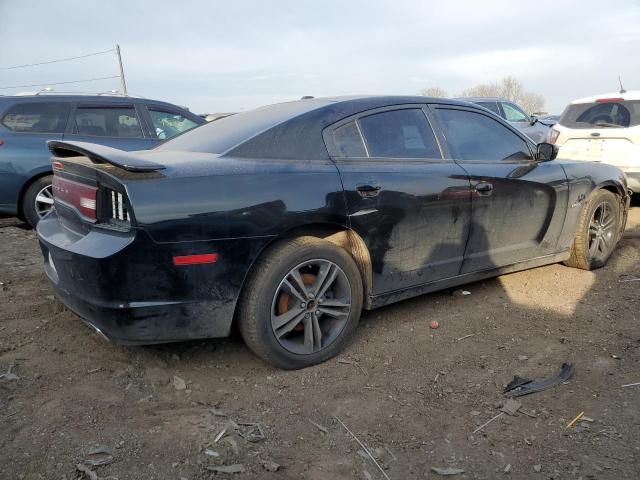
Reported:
(536, 128)
(28, 121)
(292, 218)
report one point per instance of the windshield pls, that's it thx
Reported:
(610, 114)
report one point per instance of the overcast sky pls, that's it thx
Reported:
(217, 56)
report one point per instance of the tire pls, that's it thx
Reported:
(32, 209)
(275, 320)
(586, 252)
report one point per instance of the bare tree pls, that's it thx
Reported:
(510, 88)
(434, 92)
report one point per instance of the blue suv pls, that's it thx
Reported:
(28, 121)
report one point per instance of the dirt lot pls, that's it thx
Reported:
(412, 395)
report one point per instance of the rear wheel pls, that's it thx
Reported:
(302, 304)
(598, 232)
(37, 200)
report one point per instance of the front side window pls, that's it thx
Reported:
(399, 134)
(514, 114)
(474, 136)
(37, 117)
(107, 122)
(169, 124)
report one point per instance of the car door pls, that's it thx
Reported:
(410, 206)
(518, 203)
(116, 125)
(25, 128)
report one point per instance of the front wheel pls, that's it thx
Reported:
(302, 304)
(37, 200)
(598, 232)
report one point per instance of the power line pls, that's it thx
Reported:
(60, 83)
(56, 61)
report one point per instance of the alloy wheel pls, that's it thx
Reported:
(311, 306)
(44, 201)
(602, 231)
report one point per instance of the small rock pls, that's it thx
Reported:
(179, 383)
(237, 468)
(537, 468)
(447, 470)
(461, 293)
(175, 357)
(474, 413)
(99, 455)
(507, 469)
(511, 406)
(270, 466)
(522, 358)
(211, 453)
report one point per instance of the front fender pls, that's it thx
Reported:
(584, 178)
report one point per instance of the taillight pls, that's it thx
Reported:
(117, 207)
(1, 142)
(80, 196)
(552, 136)
(609, 100)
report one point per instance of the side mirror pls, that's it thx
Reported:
(533, 120)
(547, 151)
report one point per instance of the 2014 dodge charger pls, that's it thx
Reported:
(292, 218)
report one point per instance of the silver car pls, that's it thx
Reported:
(535, 128)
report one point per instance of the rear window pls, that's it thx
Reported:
(608, 114)
(228, 132)
(37, 117)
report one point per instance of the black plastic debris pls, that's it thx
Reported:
(524, 386)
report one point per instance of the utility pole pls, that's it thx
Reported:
(123, 83)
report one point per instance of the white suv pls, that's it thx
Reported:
(603, 128)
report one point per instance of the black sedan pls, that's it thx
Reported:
(288, 220)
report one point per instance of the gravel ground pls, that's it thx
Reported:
(412, 395)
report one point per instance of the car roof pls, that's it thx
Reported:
(105, 98)
(273, 131)
(628, 95)
(482, 99)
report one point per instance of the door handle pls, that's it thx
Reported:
(368, 191)
(484, 188)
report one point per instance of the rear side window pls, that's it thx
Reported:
(40, 117)
(399, 134)
(603, 114)
(474, 136)
(493, 106)
(348, 141)
(169, 124)
(107, 122)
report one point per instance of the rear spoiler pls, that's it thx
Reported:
(130, 161)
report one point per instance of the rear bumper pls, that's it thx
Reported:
(126, 286)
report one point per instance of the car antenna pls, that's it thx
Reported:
(622, 90)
